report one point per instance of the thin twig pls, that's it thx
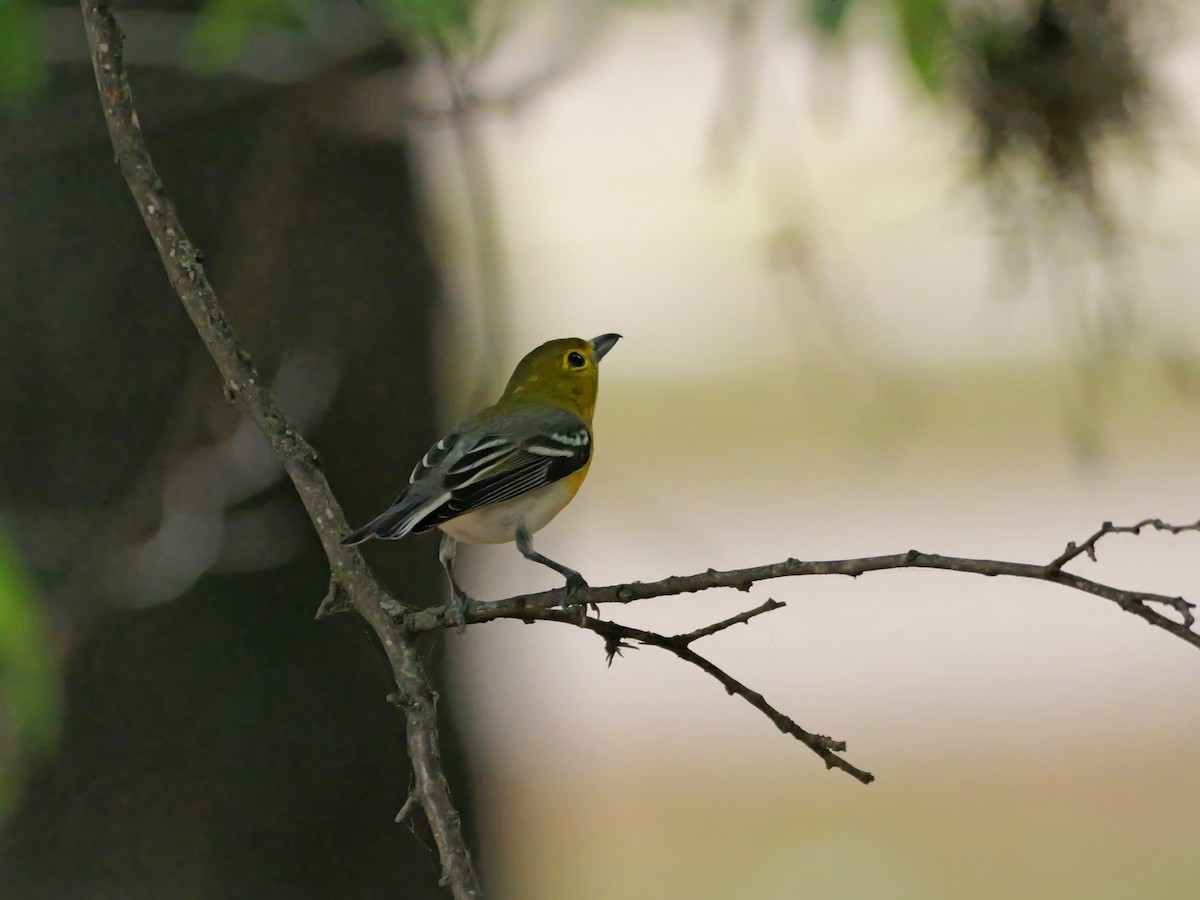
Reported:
(1088, 547)
(413, 799)
(616, 636)
(244, 384)
(740, 618)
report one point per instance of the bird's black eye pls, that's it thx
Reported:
(575, 360)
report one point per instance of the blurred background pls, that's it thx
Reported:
(891, 274)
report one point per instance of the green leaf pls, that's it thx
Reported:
(22, 62)
(827, 15)
(925, 28)
(30, 692)
(224, 28)
(444, 19)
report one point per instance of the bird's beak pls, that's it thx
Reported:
(601, 345)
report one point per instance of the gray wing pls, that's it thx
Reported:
(478, 466)
(538, 447)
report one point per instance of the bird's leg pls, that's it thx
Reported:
(458, 597)
(575, 581)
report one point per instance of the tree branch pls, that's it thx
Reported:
(531, 607)
(616, 638)
(245, 386)
(1088, 547)
(739, 619)
(526, 606)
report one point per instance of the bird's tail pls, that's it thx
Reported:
(396, 521)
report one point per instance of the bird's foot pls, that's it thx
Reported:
(575, 584)
(459, 600)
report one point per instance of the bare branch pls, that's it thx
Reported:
(407, 808)
(244, 384)
(749, 614)
(531, 607)
(617, 636)
(1137, 603)
(1088, 547)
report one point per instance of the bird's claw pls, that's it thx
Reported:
(459, 600)
(575, 584)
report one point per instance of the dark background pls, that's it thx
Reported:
(223, 744)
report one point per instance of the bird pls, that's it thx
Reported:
(504, 473)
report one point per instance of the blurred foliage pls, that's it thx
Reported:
(1047, 84)
(827, 15)
(1051, 84)
(29, 682)
(225, 28)
(924, 31)
(1068, 62)
(22, 66)
(448, 21)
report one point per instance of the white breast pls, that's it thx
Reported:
(497, 524)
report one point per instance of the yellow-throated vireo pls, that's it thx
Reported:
(505, 472)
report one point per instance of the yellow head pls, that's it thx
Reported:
(563, 373)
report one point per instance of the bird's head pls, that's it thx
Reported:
(564, 372)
